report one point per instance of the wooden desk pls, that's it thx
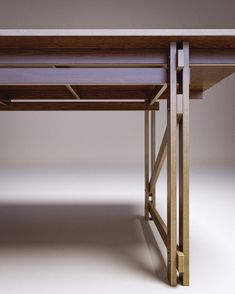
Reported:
(124, 70)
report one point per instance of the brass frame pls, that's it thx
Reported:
(177, 124)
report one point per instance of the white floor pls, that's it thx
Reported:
(63, 231)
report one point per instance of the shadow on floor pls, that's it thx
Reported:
(160, 266)
(115, 228)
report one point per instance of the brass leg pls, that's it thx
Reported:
(153, 152)
(146, 151)
(177, 114)
(171, 169)
(184, 169)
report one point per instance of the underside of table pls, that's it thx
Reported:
(123, 70)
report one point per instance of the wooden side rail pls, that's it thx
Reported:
(110, 57)
(75, 105)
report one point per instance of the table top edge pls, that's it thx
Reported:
(116, 32)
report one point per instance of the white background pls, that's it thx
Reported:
(72, 184)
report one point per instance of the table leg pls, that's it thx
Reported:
(146, 152)
(153, 152)
(177, 116)
(184, 169)
(171, 167)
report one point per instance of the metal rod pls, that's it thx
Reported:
(146, 152)
(171, 169)
(184, 169)
(161, 91)
(71, 90)
(159, 161)
(161, 226)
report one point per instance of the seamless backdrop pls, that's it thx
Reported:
(72, 183)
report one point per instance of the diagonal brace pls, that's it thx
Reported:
(159, 161)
